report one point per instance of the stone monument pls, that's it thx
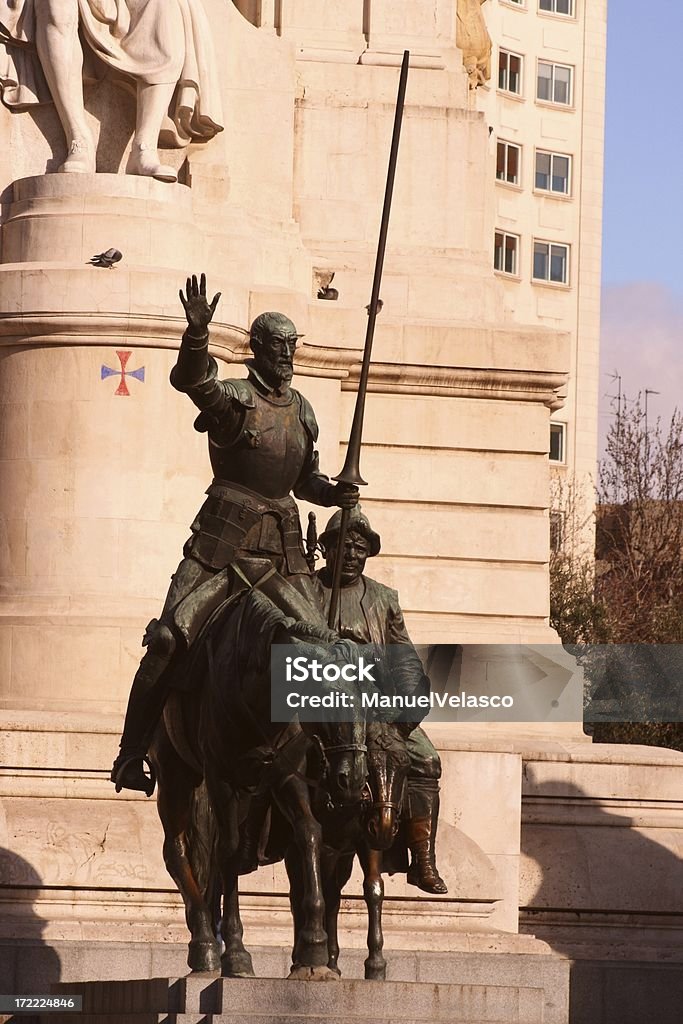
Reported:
(101, 475)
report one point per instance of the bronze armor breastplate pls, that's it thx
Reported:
(270, 452)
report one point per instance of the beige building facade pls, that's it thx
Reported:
(546, 105)
(101, 472)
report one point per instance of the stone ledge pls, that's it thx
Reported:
(609, 754)
(129, 186)
(497, 990)
(580, 991)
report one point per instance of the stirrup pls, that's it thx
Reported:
(143, 783)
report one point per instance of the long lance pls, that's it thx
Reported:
(350, 473)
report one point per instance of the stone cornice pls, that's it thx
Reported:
(230, 343)
(457, 382)
(40, 328)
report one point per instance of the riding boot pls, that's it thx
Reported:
(249, 854)
(145, 706)
(149, 690)
(421, 840)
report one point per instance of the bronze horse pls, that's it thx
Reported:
(212, 756)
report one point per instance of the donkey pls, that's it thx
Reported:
(363, 830)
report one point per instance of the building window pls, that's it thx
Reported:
(552, 172)
(510, 72)
(551, 262)
(565, 7)
(505, 253)
(517, 3)
(554, 83)
(508, 163)
(556, 531)
(557, 438)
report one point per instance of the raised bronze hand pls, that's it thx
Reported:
(198, 311)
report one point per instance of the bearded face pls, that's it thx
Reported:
(274, 357)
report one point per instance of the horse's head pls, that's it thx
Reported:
(388, 764)
(342, 755)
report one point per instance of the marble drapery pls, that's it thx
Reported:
(149, 41)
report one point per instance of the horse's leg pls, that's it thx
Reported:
(373, 892)
(235, 961)
(310, 951)
(174, 803)
(334, 882)
(293, 865)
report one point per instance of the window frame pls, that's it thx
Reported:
(505, 181)
(562, 461)
(520, 56)
(518, 250)
(516, 3)
(556, 530)
(554, 65)
(547, 280)
(554, 13)
(551, 191)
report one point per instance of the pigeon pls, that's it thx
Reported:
(325, 292)
(380, 303)
(106, 259)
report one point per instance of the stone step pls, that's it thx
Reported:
(519, 999)
(230, 1018)
(28, 966)
(278, 1018)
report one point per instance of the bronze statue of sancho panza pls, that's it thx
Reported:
(369, 613)
(262, 435)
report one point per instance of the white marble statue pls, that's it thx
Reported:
(473, 39)
(161, 48)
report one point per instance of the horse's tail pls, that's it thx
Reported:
(202, 842)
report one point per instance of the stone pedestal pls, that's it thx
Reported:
(100, 876)
(601, 870)
(68, 218)
(464, 990)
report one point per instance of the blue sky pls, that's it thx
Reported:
(642, 308)
(643, 212)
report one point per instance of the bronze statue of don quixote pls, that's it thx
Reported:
(235, 789)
